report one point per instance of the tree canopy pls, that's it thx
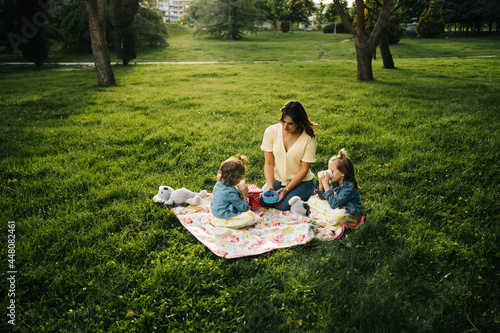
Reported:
(300, 10)
(225, 18)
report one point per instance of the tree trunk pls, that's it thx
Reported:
(364, 59)
(479, 28)
(97, 12)
(365, 46)
(385, 51)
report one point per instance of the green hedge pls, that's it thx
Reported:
(330, 28)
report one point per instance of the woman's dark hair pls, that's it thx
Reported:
(296, 111)
(232, 170)
(344, 165)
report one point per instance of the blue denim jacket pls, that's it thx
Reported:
(226, 202)
(344, 196)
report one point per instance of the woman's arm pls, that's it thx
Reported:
(269, 169)
(304, 168)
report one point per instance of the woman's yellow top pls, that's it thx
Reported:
(287, 164)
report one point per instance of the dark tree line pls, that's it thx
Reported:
(27, 26)
(471, 15)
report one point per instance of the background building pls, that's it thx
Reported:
(173, 9)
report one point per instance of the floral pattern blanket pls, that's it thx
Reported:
(276, 229)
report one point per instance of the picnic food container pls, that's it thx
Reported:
(253, 195)
(270, 197)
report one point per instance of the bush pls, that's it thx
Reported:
(285, 26)
(330, 28)
(431, 22)
(37, 49)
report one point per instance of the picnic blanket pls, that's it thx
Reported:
(276, 230)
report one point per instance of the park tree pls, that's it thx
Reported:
(331, 14)
(279, 10)
(490, 13)
(97, 13)
(124, 12)
(73, 23)
(401, 12)
(391, 33)
(332, 18)
(320, 13)
(225, 18)
(300, 10)
(431, 24)
(365, 44)
(149, 25)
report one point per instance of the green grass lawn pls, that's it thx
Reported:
(80, 164)
(300, 46)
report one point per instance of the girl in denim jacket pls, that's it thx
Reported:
(339, 187)
(229, 204)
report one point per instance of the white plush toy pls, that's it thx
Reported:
(299, 207)
(179, 197)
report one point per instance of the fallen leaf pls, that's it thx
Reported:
(129, 313)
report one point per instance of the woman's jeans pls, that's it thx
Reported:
(304, 190)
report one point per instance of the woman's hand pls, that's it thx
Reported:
(282, 193)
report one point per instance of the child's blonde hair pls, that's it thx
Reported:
(232, 170)
(344, 165)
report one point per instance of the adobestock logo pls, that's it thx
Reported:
(31, 27)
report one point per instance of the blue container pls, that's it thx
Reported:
(270, 197)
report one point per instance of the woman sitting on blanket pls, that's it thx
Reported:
(343, 195)
(229, 204)
(289, 150)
